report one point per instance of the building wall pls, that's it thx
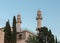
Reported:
(25, 36)
(21, 41)
(1, 37)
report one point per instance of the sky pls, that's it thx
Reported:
(28, 10)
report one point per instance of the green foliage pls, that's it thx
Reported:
(14, 30)
(44, 36)
(7, 30)
(56, 39)
(32, 39)
(43, 32)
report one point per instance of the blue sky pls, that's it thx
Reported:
(28, 11)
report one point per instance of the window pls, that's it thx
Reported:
(20, 36)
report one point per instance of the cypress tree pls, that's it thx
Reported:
(7, 35)
(56, 39)
(14, 30)
(42, 33)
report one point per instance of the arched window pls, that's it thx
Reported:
(20, 36)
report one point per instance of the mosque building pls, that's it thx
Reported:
(22, 35)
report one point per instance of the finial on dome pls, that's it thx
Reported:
(38, 9)
(18, 15)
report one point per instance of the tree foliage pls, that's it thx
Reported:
(7, 30)
(45, 35)
(56, 40)
(14, 30)
(32, 39)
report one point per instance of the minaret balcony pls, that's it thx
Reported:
(19, 22)
(38, 18)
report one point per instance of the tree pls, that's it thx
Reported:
(51, 37)
(45, 36)
(56, 40)
(14, 30)
(32, 39)
(7, 35)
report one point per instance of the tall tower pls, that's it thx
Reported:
(18, 23)
(39, 19)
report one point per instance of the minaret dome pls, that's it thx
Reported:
(19, 19)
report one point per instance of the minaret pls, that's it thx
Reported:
(18, 23)
(39, 19)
